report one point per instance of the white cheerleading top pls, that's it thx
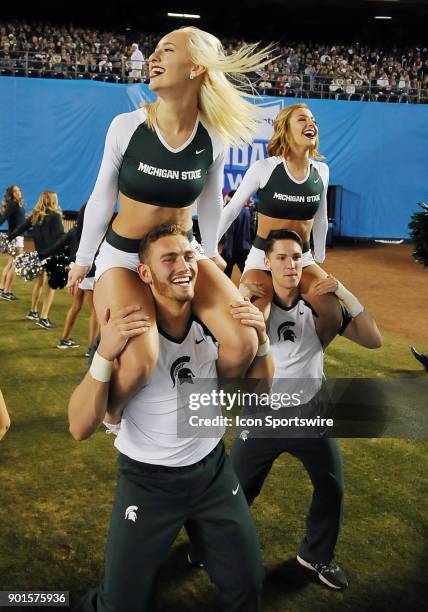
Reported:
(296, 350)
(148, 431)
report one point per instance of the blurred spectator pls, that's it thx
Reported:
(237, 240)
(383, 81)
(265, 87)
(404, 81)
(137, 61)
(105, 65)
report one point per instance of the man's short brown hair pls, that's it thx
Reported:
(283, 234)
(167, 229)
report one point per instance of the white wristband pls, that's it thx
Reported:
(263, 349)
(100, 368)
(112, 428)
(349, 299)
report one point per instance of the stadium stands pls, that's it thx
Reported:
(308, 70)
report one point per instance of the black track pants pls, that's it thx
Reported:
(152, 504)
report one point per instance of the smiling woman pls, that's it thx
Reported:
(291, 186)
(160, 159)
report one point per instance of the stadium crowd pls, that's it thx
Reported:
(306, 69)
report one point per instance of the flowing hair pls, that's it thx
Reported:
(221, 97)
(8, 197)
(48, 200)
(279, 144)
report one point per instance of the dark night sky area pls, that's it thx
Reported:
(317, 20)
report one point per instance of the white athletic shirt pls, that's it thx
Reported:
(148, 430)
(123, 128)
(270, 178)
(137, 59)
(296, 350)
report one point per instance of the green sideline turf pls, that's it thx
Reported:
(56, 494)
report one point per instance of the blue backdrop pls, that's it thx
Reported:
(52, 135)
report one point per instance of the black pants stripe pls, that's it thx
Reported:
(161, 501)
(252, 460)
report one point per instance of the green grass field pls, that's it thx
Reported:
(56, 494)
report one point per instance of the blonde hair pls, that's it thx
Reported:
(48, 200)
(8, 197)
(222, 102)
(279, 144)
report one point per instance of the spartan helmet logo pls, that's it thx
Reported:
(285, 332)
(131, 513)
(244, 434)
(179, 372)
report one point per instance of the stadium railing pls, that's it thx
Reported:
(53, 66)
(300, 85)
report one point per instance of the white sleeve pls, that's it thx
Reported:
(250, 184)
(100, 206)
(210, 205)
(320, 227)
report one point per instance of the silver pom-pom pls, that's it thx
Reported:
(4, 243)
(11, 247)
(28, 266)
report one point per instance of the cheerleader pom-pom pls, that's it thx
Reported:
(4, 243)
(11, 247)
(28, 266)
(57, 269)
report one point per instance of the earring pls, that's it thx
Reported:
(191, 76)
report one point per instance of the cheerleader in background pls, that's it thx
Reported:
(12, 211)
(85, 291)
(291, 186)
(46, 221)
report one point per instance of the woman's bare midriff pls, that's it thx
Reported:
(135, 219)
(266, 224)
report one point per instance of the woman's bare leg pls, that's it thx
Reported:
(72, 313)
(10, 277)
(263, 280)
(5, 272)
(37, 289)
(93, 321)
(214, 292)
(115, 289)
(47, 302)
(325, 305)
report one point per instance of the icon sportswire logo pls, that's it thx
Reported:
(131, 513)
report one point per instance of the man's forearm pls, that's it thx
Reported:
(263, 366)
(364, 331)
(87, 407)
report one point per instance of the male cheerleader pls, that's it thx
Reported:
(165, 481)
(297, 339)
